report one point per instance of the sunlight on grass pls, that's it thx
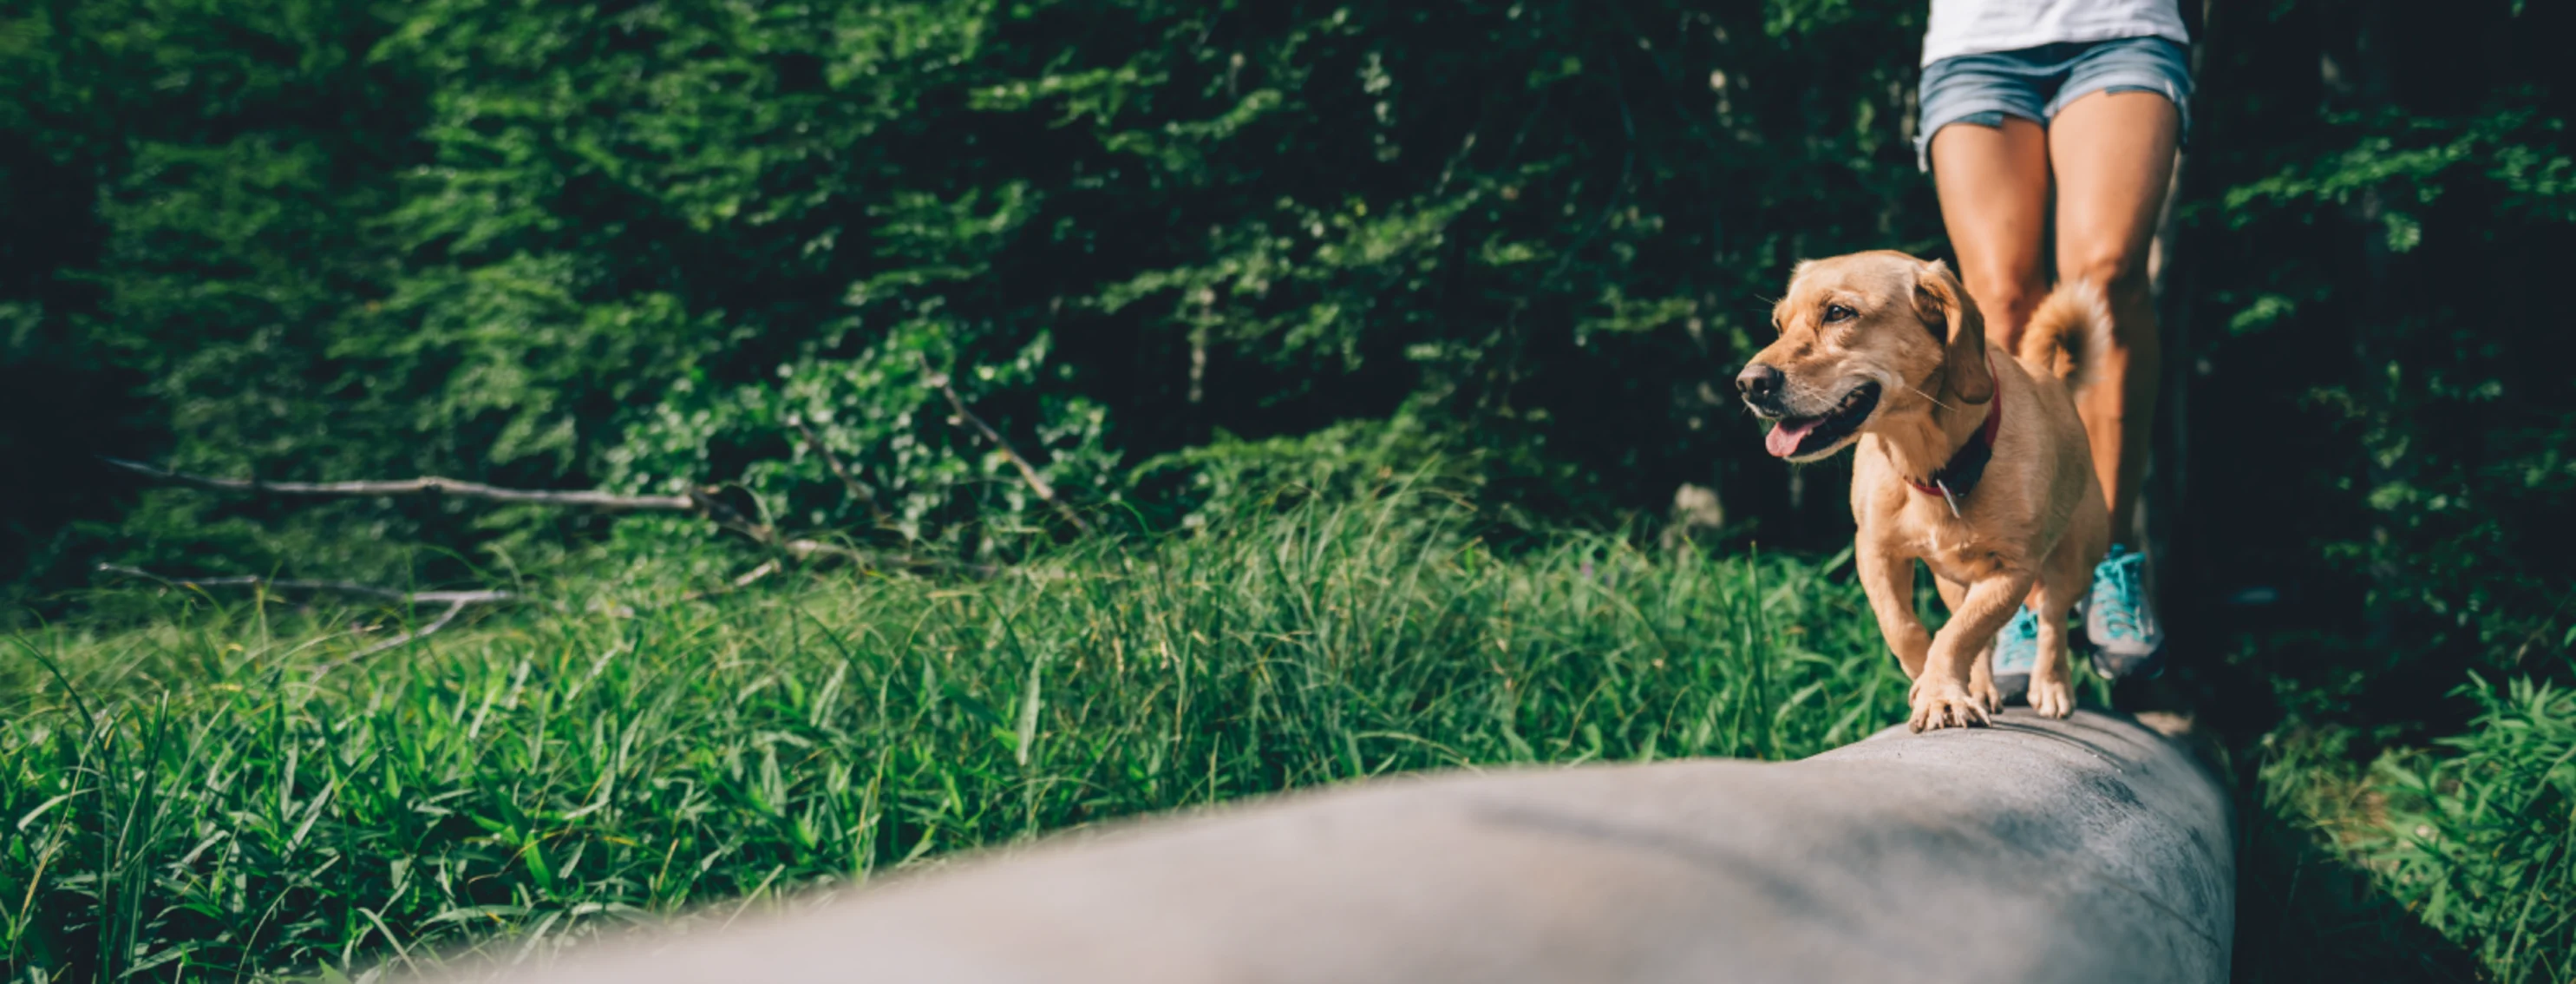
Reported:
(201, 800)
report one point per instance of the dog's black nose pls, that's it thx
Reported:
(1759, 383)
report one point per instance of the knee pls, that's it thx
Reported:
(2124, 283)
(2121, 275)
(2005, 302)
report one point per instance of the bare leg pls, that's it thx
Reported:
(2114, 155)
(1981, 670)
(1993, 183)
(1889, 583)
(1940, 696)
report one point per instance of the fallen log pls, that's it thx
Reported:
(2090, 849)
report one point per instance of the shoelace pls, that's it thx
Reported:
(2119, 608)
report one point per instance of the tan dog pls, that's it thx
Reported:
(1971, 460)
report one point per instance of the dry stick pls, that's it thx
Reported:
(832, 461)
(426, 485)
(766, 568)
(345, 587)
(436, 624)
(1027, 473)
(703, 502)
(803, 548)
(456, 601)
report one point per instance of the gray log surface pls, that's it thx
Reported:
(2090, 849)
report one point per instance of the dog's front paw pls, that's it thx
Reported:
(1945, 704)
(2053, 697)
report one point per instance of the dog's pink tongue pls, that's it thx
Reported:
(1783, 440)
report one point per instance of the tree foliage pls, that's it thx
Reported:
(2383, 424)
(640, 244)
(1181, 251)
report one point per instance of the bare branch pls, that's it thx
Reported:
(801, 549)
(344, 587)
(865, 495)
(703, 501)
(435, 624)
(427, 485)
(1028, 473)
(766, 568)
(456, 601)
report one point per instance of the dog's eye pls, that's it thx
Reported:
(1837, 312)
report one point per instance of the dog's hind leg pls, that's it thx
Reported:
(2052, 688)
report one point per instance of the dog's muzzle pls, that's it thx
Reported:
(1760, 385)
(1801, 434)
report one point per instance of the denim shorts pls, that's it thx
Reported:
(2034, 83)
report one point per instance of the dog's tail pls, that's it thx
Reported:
(2068, 334)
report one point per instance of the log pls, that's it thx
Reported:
(2090, 849)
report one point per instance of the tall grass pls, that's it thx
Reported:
(203, 797)
(2480, 840)
(2454, 862)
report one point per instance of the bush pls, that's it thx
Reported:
(2482, 841)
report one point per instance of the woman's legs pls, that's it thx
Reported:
(1993, 183)
(2113, 154)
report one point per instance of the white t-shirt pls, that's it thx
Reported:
(1971, 27)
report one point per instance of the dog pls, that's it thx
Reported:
(1970, 459)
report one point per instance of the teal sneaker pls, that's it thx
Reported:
(2016, 654)
(2120, 618)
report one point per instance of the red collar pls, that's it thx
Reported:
(1968, 464)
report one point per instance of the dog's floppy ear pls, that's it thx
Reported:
(1953, 318)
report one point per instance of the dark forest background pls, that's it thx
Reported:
(1185, 256)
(1179, 252)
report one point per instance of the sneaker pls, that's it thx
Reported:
(2016, 654)
(2121, 619)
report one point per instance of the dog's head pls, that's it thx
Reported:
(1864, 339)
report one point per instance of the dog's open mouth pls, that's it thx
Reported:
(1805, 435)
